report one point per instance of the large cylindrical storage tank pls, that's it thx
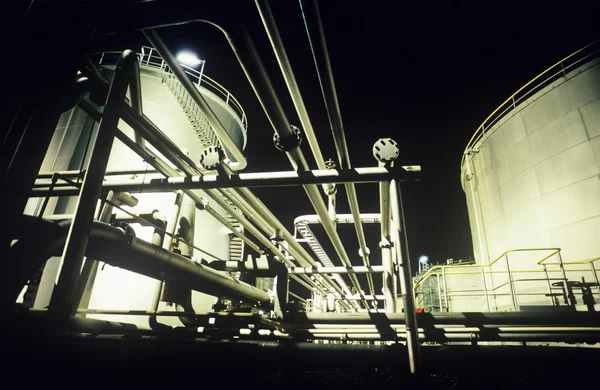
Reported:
(166, 107)
(531, 177)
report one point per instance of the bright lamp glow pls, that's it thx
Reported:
(423, 259)
(188, 58)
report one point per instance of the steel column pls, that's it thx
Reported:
(77, 239)
(406, 285)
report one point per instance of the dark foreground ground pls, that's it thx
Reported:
(76, 362)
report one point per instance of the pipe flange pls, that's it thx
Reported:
(203, 204)
(361, 254)
(129, 237)
(386, 244)
(212, 157)
(288, 143)
(386, 150)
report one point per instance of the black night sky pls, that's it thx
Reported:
(424, 74)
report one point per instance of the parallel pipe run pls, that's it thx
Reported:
(189, 86)
(286, 69)
(164, 146)
(77, 240)
(271, 106)
(326, 80)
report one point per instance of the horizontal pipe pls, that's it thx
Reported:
(121, 249)
(267, 179)
(336, 270)
(339, 218)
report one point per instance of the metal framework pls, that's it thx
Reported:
(274, 253)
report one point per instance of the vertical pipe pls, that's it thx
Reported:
(470, 176)
(78, 236)
(187, 221)
(406, 285)
(167, 244)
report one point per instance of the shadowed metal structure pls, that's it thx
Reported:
(132, 217)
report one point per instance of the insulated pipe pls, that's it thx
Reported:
(77, 240)
(406, 285)
(87, 277)
(121, 249)
(178, 71)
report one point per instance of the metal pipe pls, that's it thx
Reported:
(189, 86)
(336, 270)
(135, 89)
(386, 247)
(121, 249)
(167, 245)
(62, 298)
(166, 147)
(268, 179)
(406, 286)
(88, 274)
(326, 80)
(286, 69)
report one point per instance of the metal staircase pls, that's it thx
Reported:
(236, 244)
(309, 238)
(204, 131)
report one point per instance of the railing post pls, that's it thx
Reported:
(445, 290)
(485, 290)
(595, 275)
(549, 285)
(227, 100)
(440, 293)
(510, 284)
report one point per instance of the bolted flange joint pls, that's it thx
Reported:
(212, 157)
(386, 244)
(386, 150)
(288, 143)
(203, 204)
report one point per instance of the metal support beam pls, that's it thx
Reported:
(77, 240)
(335, 270)
(263, 179)
(406, 285)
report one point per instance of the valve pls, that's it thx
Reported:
(212, 157)
(386, 150)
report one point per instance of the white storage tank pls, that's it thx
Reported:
(166, 105)
(531, 177)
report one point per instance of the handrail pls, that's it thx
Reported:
(492, 119)
(587, 261)
(200, 79)
(430, 271)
